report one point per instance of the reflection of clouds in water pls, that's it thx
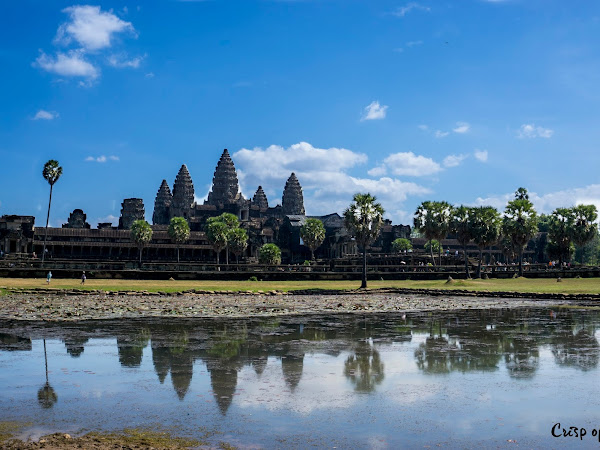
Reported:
(323, 386)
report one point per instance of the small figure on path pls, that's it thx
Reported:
(48, 277)
(83, 277)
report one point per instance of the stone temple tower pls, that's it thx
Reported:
(260, 198)
(183, 194)
(162, 204)
(225, 188)
(132, 209)
(293, 200)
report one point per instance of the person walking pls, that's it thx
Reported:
(83, 277)
(48, 277)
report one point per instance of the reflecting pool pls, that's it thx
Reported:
(474, 378)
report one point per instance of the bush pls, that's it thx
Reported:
(252, 278)
(269, 254)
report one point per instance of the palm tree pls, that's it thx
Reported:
(584, 227)
(313, 235)
(433, 220)
(560, 232)
(485, 222)
(462, 224)
(141, 233)
(238, 241)
(363, 219)
(231, 222)
(269, 254)
(51, 173)
(179, 231)
(520, 222)
(216, 232)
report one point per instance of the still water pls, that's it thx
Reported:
(459, 379)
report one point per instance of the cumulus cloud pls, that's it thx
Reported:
(402, 11)
(440, 134)
(546, 203)
(114, 220)
(91, 28)
(481, 155)
(530, 130)
(102, 158)
(45, 115)
(323, 174)
(70, 64)
(461, 127)
(374, 111)
(407, 164)
(454, 160)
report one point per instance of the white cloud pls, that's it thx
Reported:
(45, 115)
(409, 164)
(531, 131)
(454, 160)
(149, 75)
(374, 111)
(547, 203)
(481, 155)
(461, 127)
(423, 127)
(326, 184)
(108, 219)
(440, 134)
(91, 28)
(71, 64)
(102, 158)
(401, 11)
(121, 61)
(377, 171)
(413, 43)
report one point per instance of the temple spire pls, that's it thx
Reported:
(183, 194)
(225, 188)
(162, 203)
(293, 200)
(260, 198)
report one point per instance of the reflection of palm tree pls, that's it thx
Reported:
(364, 368)
(46, 395)
(521, 356)
(580, 350)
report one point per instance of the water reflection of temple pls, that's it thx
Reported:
(459, 341)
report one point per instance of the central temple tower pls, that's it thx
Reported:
(225, 188)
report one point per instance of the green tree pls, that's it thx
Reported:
(486, 224)
(313, 235)
(51, 173)
(141, 233)
(217, 232)
(584, 228)
(560, 233)
(401, 245)
(363, 219)
(520, 222)
(238, 241)
(231, 222)
(461, 223)
(432, 219)
(269, 254)
(433, 246)
(179, 232)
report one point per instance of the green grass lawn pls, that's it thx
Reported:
(568, 285)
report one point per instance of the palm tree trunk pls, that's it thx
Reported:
(141, 250)
(227, 255)
(440, 252)
(47, 221)
(178, 255)
(431, 252)
(521, 261)
(218, 252)
(466, 261)
(363, 283)
(479, 265)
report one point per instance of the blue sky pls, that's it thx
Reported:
(462, 101)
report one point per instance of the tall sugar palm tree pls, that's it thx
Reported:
(363, 219)
(51, 173)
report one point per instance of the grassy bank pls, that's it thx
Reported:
(524, 285)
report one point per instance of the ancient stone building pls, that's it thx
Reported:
(77, 219)
(293, 200)
(183, 194)
(132, 209)
(162, 204)
(260, 198)
(225, 188)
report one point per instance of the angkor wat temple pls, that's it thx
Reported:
(279, 224)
